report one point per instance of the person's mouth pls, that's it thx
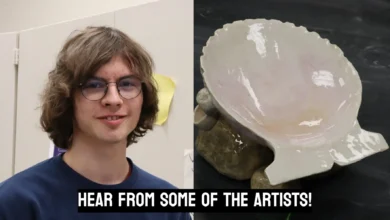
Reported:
(112, 120)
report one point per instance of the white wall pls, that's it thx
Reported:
(16, 15)
(8, 42)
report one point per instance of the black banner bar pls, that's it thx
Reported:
(194, 201)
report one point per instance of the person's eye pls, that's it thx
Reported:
(125, 83)
(94, 84)
(129, 83)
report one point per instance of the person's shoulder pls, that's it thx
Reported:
(20, 192)
(13, 189)
(149, 181)
(24, 181)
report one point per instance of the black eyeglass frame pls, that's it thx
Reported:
(142, 83)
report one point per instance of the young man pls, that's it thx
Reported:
(99, 99)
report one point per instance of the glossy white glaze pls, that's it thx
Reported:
(292, 88)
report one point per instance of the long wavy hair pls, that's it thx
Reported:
(81, 56)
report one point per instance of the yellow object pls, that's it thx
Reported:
(166, 89)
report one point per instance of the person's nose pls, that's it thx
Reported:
(112, 97)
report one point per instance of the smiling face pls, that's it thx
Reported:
(112, 118)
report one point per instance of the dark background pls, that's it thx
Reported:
(361, 28)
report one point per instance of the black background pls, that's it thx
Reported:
(361, 28)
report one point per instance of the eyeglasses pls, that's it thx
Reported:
(95, 88)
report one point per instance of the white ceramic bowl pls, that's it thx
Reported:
(292, 88)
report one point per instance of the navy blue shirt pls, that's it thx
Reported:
(48, 191)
